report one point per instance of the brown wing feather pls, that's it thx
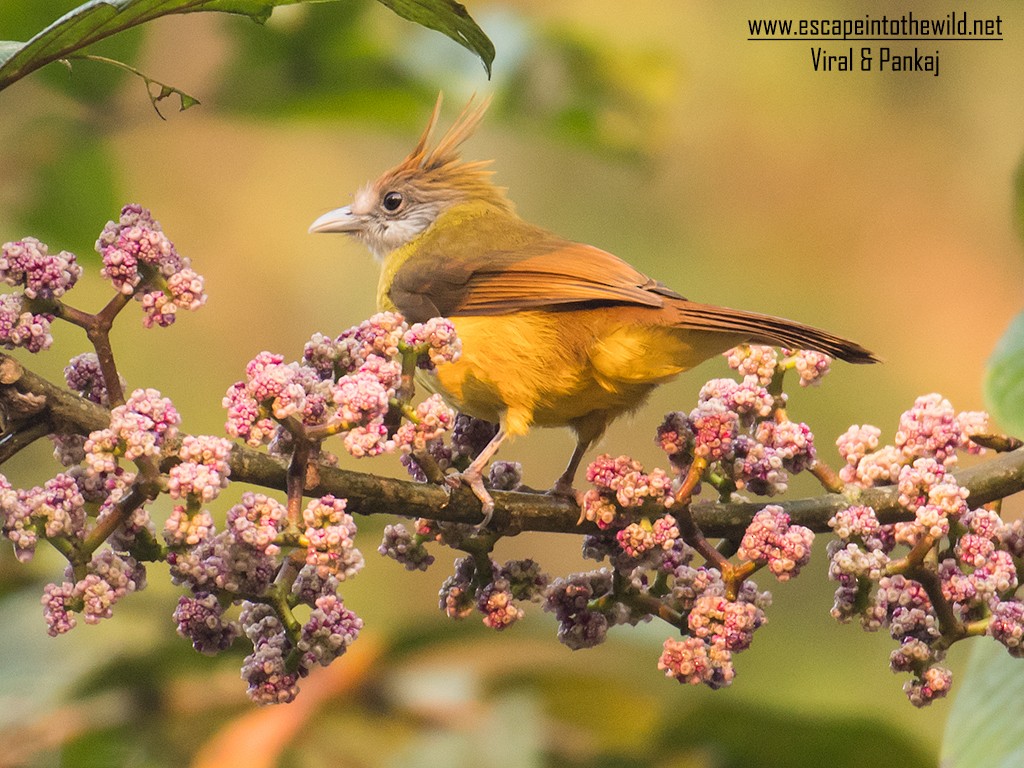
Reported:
(568, 274)
(766, 329)
(530, 268)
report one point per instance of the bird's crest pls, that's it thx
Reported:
(439, 169)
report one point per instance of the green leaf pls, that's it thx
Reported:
(99, 19)
(449, 18)
(985, 729)
(1004, 378)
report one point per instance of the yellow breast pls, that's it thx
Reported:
(553, 368)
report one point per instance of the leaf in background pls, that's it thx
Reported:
(1004, 378)
(785, 738)
(21, 20)
(73, 190)
(449, 18)
(323, 63)
(89, 85)
(99, 19)
(595, 93)
(985, 729)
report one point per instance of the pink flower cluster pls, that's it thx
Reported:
(256, 522)
(274, 391)
(379, 336)
(64, 511)
(973, 563)
(740, 430)
(244, 562)
(771, 539)
(932, 429)
(349, 382)
(811, 366)
(733, 426)
(204, 469)
(492, 590)
(201, 620)
(330, 535)
(694, 661)
(53, 510)
(625, 481)
(718, 627)
(754, 360)
(21, 327)
(138, 428)
(406, 548)
(761, 362)
(43, 275)
(730, 623)
(109, 577)
(636, 539)
(433, 420)
(434, 342)
(185, 527)
(83, 375)
(141, 261)
(328, 633)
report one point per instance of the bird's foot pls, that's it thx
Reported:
(563, 487)
(475, 481)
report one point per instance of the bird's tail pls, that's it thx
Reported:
(765, 329)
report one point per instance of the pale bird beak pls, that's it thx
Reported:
(338, 220)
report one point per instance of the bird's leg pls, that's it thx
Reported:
(564, 484)
(588, 431)
(473, 476)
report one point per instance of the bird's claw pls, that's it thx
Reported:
(475, 482)
(563, 487)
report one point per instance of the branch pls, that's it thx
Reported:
(369, 494)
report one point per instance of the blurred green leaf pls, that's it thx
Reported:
(21, 20)
(74, 188)
(742, 735)
(322, 63)
(593, 92)
(99, 19)
(985, 729)
(583, 703)
(105, 747)
(1004, 378)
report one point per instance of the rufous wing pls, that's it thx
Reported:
(497, 264)
(529, 269)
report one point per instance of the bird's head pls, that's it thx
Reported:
(406, 200)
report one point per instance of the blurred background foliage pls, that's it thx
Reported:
(878, 206)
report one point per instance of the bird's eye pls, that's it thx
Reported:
(392, 201)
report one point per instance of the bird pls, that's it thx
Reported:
(554, 333)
